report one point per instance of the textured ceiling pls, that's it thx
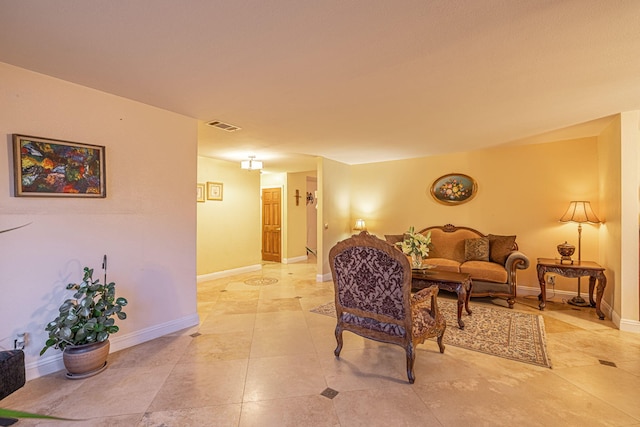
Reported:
(355, 81)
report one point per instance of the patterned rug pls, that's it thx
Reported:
(497, 331)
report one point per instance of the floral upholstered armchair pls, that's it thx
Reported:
(372, 281)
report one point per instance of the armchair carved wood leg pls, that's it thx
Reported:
(511, 301)
(339, 341)
(440, 343)
(411, 357)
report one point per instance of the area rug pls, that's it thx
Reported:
(496, 331)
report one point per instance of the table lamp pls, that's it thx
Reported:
(579, 211)
(360, 225)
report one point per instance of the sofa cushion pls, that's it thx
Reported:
(500, 247)
(450, 245)
(476, 249)
(444, 264)
(485, 271)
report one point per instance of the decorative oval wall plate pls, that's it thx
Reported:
(454, 189)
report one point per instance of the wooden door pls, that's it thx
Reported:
(271, 224)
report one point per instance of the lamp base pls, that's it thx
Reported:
(579, 301)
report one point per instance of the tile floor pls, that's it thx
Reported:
(261, 358)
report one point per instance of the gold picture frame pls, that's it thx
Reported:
(214, 191)
(454, 189)
(200, 193)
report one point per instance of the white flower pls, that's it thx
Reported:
(415, 243)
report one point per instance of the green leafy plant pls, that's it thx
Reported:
(88, 316)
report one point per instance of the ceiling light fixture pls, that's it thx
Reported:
(251, 164)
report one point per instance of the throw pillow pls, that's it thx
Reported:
(500, 247)
(476, 249)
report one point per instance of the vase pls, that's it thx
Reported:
(85, 360)
(416, 261)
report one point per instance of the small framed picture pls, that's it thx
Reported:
(214, 191)
(200, 192)
(454, 189)
(46, 167)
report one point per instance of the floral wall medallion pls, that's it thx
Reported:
(454, 189)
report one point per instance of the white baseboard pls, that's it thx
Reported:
(324, 277)
(53, 363)
(302, 258)
(629, 325)
(227, 273)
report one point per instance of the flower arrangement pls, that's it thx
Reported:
(453, 190)
(416, 245)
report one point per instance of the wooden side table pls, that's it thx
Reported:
(577, 269)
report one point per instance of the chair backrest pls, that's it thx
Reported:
(372, 281)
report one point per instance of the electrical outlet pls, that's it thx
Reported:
(551, 279)
(20, 341)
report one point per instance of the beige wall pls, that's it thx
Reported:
(229, 235)
(610, 213)
(630, 170)
(146, 224)
(334, 210)
(522, 190)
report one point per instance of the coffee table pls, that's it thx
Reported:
(460, 283)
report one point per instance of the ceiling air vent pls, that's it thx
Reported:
(221, 125)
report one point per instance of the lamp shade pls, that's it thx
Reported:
(360, 225)
(580, 211)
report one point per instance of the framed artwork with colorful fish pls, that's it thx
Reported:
(46, 167)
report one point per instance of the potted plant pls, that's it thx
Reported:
(416, 246)
(83, 325)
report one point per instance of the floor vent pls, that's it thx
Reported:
(607, 363)
(223, 126)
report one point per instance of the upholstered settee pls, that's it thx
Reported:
(490, 260)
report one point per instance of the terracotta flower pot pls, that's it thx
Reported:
(85, 360)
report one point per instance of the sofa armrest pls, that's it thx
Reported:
(515, 261)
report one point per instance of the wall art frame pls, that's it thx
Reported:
(200, 189)
(214, 191)
(45, 167)
(454, 189)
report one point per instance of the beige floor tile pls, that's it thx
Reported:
(228, 323)
(229, 306)
(507, 401)
(280, 320)
(396, 405)
(283, 376)
(196, 385)
(219, 416)
(370, 368)
(278, 304)
(213, 347)
(161, 351)
(42, 395)
(611, 385)
(278, 291)
(101, 421)
(114, 392)
(281, 342)
(316, 411)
